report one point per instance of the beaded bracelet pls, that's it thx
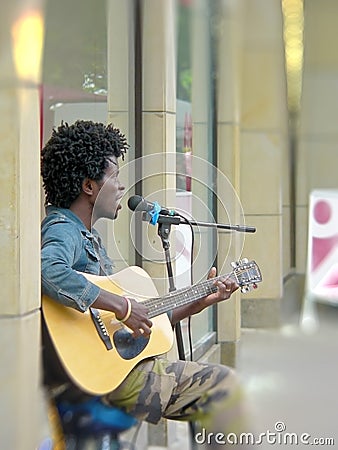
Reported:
(128, 313)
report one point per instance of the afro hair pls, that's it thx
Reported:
(75, 152)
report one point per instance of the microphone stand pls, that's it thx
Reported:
(164, 227)
(241, 228)
(164, 223)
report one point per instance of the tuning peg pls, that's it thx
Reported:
(234, 264)
(245, 261)
(245, 289)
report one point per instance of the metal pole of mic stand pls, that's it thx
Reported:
(164, 228)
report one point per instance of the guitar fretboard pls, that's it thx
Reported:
(175, 299)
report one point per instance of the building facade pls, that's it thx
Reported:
(200, 90)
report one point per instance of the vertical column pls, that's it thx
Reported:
(228, 154)
(121, 87)
(262, 154)
(159, 122)
(21, 52)
(159, 147)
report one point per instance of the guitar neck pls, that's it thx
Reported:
(181, 297)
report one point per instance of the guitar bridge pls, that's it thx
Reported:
(101, 328)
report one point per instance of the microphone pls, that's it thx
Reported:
(154, 210)
(138, 203)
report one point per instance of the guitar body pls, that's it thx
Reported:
(83, 354)
(97, 351)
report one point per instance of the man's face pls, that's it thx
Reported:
(107, 203)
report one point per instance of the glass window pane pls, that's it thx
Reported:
(75, 62)
(194, 146)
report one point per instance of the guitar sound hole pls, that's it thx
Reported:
(127, 346)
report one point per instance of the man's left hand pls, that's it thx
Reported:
(225, 287)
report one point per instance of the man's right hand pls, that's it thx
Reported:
(138, 321)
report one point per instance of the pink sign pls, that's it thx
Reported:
(322, 271)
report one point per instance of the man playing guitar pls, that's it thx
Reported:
(80, 172)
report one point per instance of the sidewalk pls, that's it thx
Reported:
(290, 379)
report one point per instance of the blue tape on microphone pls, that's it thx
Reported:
(154, 213)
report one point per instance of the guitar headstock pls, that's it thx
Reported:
(247, 274)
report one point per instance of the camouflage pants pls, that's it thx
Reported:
(182, 390)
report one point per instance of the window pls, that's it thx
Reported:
(75, 62)
(195, 142)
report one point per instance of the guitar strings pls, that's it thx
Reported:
(183, 296)
(160, 305)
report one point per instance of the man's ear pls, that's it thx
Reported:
(88, 186)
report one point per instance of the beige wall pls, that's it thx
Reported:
(264, 156)
(21, 46)
(253, 153)
(120, 113)
(228, 154)
(158, 119)
(252, 134)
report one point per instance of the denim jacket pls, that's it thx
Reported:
(68, 247)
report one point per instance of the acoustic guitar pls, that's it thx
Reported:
(97, 351)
